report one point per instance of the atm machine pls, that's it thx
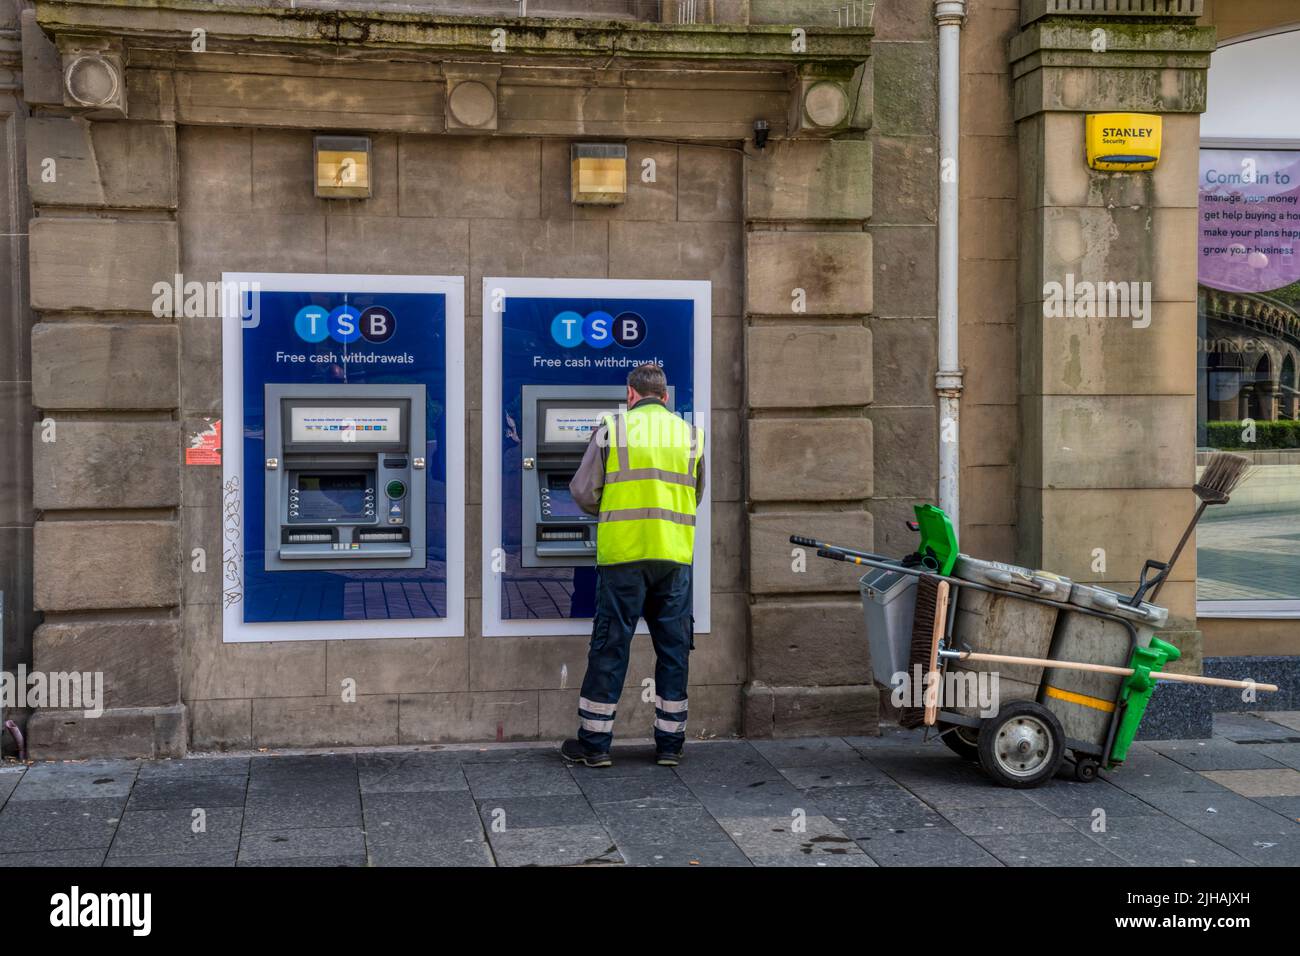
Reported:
(558, 423)
(345, 477)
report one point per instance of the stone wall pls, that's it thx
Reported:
(470, 206)
(202, 167)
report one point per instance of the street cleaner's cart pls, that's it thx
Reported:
(1014, 668)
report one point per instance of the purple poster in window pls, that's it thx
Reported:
(1249, 219)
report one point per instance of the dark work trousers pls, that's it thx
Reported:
(659, 591)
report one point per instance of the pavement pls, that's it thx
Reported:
(892, 800)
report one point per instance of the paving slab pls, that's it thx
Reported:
(54, 858)
(589, 845)
(197, 766)
(1074, 799)
(1251, 728)
(1202, 755)
(994, 821)
(38, 825)
(809, 835)
(660, 789)
(177, 831)
(77, 780)
(9, 778)
(854, 772)
(290, 846)
(429, 816)
(925, 847)
(859, 810)
(167, 792)
(687, 855)
(1258, 783)
(473, 852)
(506, 813)
(304, 807)
(1265, 851)
(410, 772)
(1286, 718)
(1048, 849)
(1285, 754)
(216, 858)
(648, 826)
(528, 778)
(1223, 814)
(805, 751)
(1155, 840)
(1146, 773)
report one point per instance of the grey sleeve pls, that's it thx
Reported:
(704, 457)
(589, 481)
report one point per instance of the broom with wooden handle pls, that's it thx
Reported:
(1103, 669)
(1223, 472)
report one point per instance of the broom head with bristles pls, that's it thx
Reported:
(1223, 472)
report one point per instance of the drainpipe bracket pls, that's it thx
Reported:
(950, 12)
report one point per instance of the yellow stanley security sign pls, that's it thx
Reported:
(1123, 142)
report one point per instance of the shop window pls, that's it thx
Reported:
(1248, 311)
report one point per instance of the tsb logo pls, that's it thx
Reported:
(315, 323)
(598, 329)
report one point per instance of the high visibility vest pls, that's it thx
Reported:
(647, 507)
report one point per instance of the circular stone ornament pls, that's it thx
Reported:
(826, 104)
(472, 103)
(91, 80)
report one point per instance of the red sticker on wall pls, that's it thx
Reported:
(204, 447)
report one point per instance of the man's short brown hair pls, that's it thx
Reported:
(648, 379)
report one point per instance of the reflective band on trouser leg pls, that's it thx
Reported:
(595, 716)
(670, 715)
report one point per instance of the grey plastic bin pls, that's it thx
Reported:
(888, 602)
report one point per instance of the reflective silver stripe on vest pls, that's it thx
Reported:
(596, 707)
(645, 474)
(670, 706)
(637, 514)
(670, 726)
(597, 726)
(620, 443)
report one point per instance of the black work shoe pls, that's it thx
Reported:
(668, 758)
(575, 751)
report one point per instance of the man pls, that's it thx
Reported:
(643, 474)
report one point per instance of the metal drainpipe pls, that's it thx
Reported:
(949, 14)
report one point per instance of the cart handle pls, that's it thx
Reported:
(1103, 669)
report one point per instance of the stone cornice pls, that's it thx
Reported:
(277, 27)
(1087, 64)
(1187, 10)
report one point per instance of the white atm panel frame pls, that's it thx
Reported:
(495, 290)
(234, 630)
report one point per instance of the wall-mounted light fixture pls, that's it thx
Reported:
(599, 174)
(343, 167)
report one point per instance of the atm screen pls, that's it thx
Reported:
(334, 497)
(333, 423)
(562, 504)
(572, 425)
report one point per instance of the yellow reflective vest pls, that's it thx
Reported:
(647, 506)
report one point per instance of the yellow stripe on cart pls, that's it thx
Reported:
(1096, 703)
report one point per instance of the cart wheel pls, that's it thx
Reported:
(1085, 769)
(963, 741)
(1022, 746)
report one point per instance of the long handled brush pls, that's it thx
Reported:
(1223, 472)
